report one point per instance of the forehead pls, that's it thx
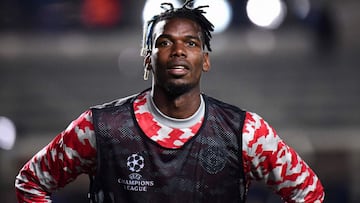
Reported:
(176, 26)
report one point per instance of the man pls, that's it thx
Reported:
(170, 143)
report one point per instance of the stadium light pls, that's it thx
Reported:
(266, 13)
(7, 133)
(152, 7)
(219, 13)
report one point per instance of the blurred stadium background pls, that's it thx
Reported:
(299, 70)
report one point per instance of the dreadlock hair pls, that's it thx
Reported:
(186, 11)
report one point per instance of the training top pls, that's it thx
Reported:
(264, 155)
(133, 168)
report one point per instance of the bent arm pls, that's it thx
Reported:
(68, 155)
(268, 158)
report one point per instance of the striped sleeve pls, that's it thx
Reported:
(68, 155)
(268, 158)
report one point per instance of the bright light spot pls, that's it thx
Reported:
(152, 7)
(266, 13)
(302, 8)
(219, 13)
(7, 133)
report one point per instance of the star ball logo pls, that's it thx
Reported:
(135, 163)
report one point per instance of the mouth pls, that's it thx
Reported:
(180, 67)
(178, 70)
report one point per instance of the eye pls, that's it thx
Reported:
(163, 43)
(192, 43)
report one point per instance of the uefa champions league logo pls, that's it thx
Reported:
(135, 163)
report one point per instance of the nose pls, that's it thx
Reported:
(178, 50)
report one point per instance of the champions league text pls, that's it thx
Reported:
(136, 185)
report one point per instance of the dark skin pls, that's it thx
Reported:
(177, 61)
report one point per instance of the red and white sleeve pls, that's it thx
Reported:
(68, 155)
(268, 158)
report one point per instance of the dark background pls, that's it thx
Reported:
(54, 65)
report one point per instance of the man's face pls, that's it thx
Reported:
(177, 57)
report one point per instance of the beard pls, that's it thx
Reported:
(175, 90)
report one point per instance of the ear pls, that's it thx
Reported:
(206, 63)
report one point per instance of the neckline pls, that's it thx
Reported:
(175, 122)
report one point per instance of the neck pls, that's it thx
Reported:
(180, 106)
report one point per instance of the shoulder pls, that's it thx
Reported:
(80, 130)
(258, 131)
(254, 120)
(119, 102)
(114, 103)
(223, 105)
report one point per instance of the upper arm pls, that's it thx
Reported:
(69, 154)
(268, 158)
